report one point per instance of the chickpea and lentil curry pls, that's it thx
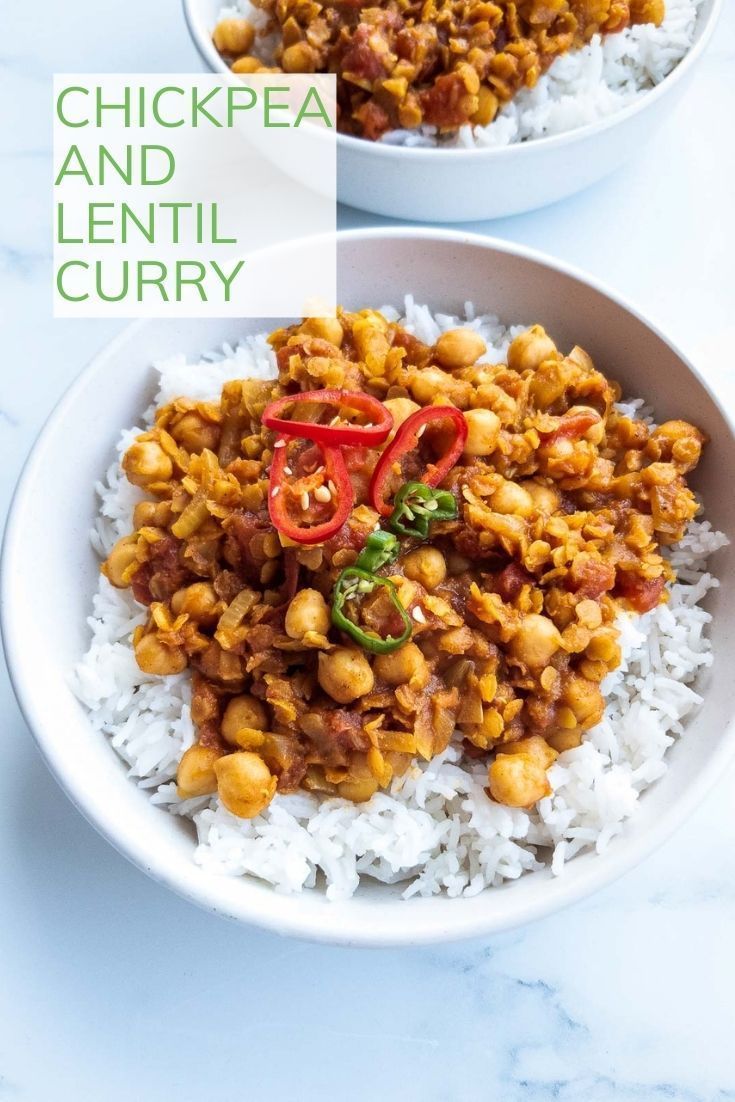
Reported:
(390, 543)
(444, 63)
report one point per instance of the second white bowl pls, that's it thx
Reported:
(456, 185)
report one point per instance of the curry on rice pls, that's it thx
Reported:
(393, 545)
(442, 63)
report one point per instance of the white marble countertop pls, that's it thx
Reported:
(113, 989)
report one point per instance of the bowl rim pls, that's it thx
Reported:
(200, 888)
(385, 150)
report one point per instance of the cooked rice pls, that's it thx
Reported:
(435, 829)
(580, 87)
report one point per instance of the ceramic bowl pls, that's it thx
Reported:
(456, 185)
(49, 574)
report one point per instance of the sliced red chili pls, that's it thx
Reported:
(292, 495)
(405, 441)
(331, 401)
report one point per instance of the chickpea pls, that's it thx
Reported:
(245, 783)
(234, 36)
(345, 674)
(529, 349)
(432, 383)
(299, 58)
(654, 11)
(679, 442)
(512, 499)
(459, 348)
(155, 657)
(401, 409)
(534, 746)
(246, 65)
(122, 556)
(145, 461)
(328, 329)
(483, 428)
(152, 514)
(243, 711)
(195, 775)
(358, 790)
(517, 780)
(195, 433)
(307, 612)
(585, 700)
(401, 666)
(545, 499)
(225, 667)
(536, 641)
(565, 740)
(425, 565)
(199, 601)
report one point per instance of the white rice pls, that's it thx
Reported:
(435, 829)
(581, 87)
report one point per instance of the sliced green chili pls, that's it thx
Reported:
(353, 583)
(380, 549)
(416, 505)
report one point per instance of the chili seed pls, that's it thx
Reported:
(418, 615)
(322, 493)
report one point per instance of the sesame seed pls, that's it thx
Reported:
(287, 470)
(280, 444)
(421, 431)
(322, 493)
(304, 501)
(275, 491)
(418, 615)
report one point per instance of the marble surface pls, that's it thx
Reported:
(111, 988)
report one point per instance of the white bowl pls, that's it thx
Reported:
(49, 574)
(456, 185)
